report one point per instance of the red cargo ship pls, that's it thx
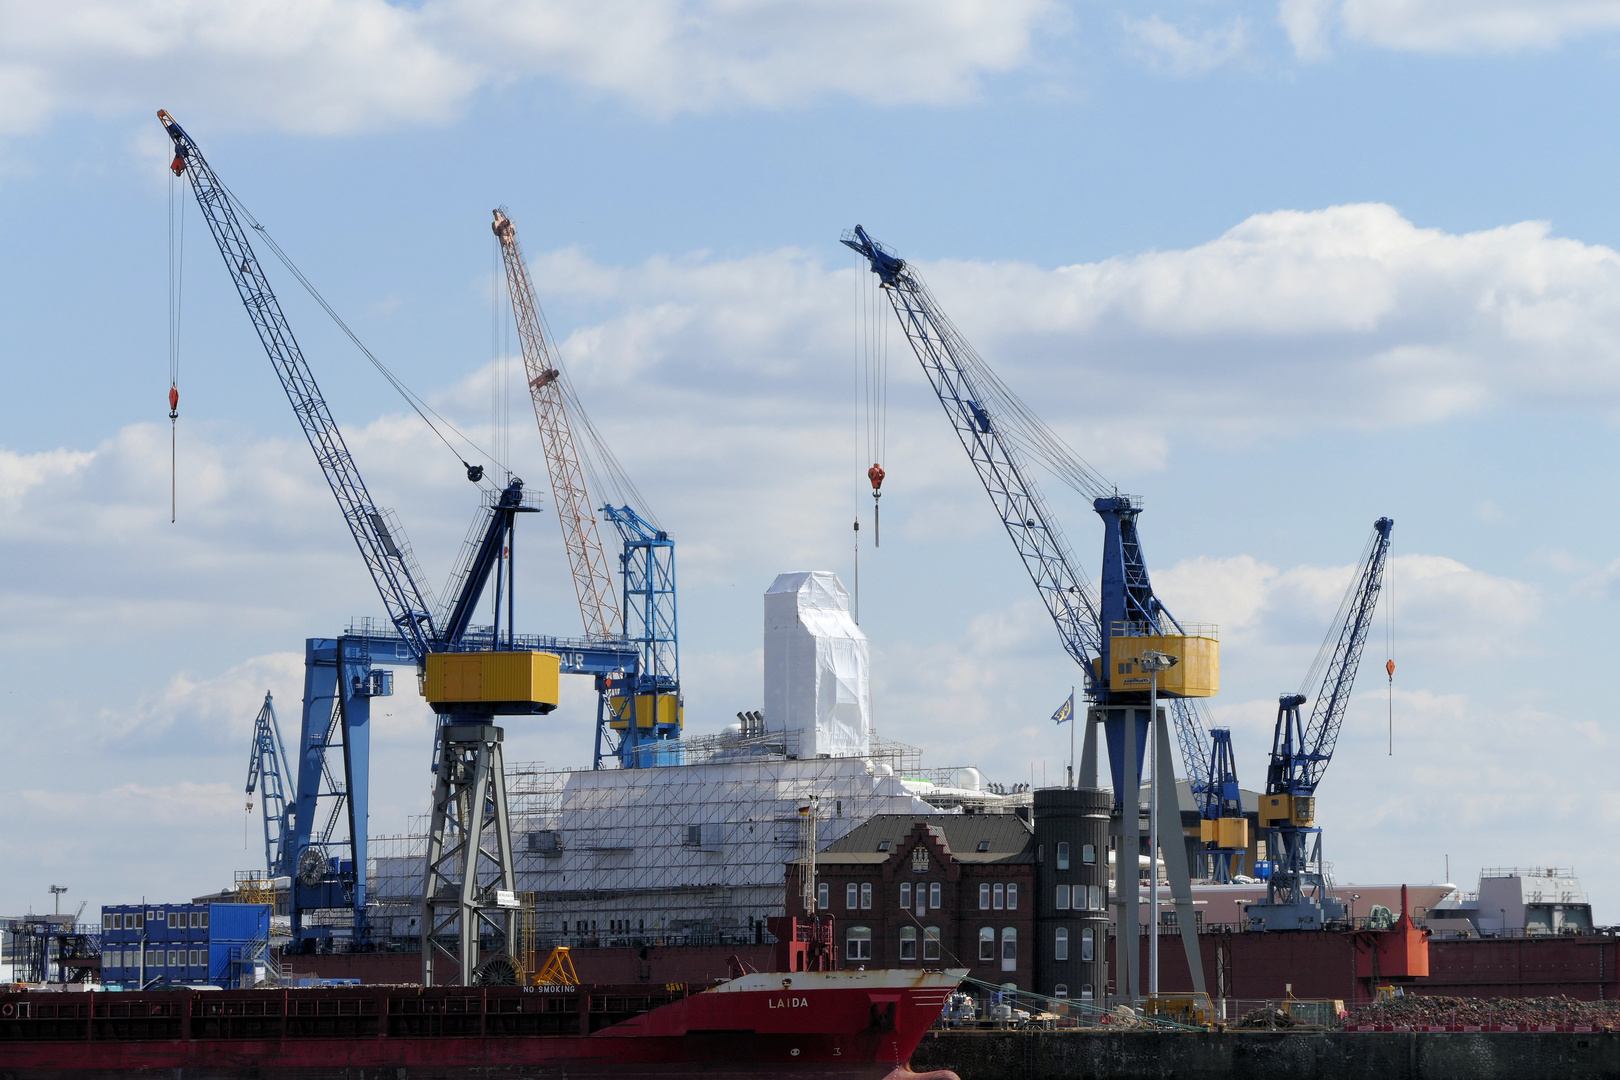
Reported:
(783, 1025)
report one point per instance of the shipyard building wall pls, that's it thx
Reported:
(1071, 895)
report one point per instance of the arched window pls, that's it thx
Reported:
(905, 894)
(1060, 943)
(1085, 992)
(931, 943)
(1063, 855)
(908, 943)
(1012, 896)
(866, 894)
(858, 943)
(1009, 948)
(1088, 854)
(998, 895)
(1061, 990)
(852, 896)
(1086, 945)
(987, 943)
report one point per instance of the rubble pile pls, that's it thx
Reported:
(1416, 1010)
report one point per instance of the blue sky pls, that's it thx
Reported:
(1280, 269)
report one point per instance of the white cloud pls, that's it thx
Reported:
(1305, 23)
(330, 66)
(1446, 26)
(1186, 50)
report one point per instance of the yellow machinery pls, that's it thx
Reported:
(1197, 671)
(649, 710)
(1226, 832)
(558, 970)
(492, 682)
(1190, 1010)
(1287, 810)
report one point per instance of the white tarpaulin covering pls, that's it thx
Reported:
(816, 666)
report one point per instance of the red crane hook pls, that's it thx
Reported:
(875, 474)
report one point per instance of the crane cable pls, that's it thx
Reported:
(475, 473)
(1389, 648)
(177, 255)
(872, 366)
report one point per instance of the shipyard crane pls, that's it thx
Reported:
(640, 708)
(266, 767)
(1299, 895)
(1107, 637)
(469, 880)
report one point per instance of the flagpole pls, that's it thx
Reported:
(1071, 737)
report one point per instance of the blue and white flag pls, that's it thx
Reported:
(1065, 712)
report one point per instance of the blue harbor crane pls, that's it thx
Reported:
(1299, 895)
(267, 764)
(467, 883)
(644, 707)
(1106, 635)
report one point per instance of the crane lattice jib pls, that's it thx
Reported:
(593, 579)
(387, 559)
(941, 350)
(267, 764)
(1327, 713)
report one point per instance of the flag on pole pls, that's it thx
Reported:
(1065, 712)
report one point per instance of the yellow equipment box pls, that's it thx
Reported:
(523, 681)
(1196, 673)
(650, 710)
(1226, 832)
(1287, 809)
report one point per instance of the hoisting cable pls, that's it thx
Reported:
(1389, 649)
(177, 255)
(475, 473)
(873, 360)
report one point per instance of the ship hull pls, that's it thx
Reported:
(859, 1025)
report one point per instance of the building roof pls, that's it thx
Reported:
(1004, 838)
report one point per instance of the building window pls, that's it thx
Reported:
(983, 846)
(154, 958)
(196, 918)
(174, 918)
(1086, 945)
(852, 896)
(1061, 990)
(205, 920)
(823, 895)
(933, 895)
(129, 922)
(905, 894)
(106, 922)
(1088, 854)
(883, 845)
(140, 920)
(866, 895)
(196, 957)
(1062, 903)
(1096, 898)
(1085, 992)
(998, 897)
(984, 897)
(1012, 896)
(1063, 855)
(858, 943)
(1009, 948)
(987, 943)
(908, 943)
(1060, 943)
(931, 943)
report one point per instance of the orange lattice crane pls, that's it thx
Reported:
(593, 579)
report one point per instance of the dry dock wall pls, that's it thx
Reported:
(1265, 1055)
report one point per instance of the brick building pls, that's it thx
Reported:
(937, 890)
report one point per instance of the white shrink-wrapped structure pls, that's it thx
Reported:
(817, 683)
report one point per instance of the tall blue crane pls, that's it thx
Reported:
(266, 766)
(1299, 895)
(339, 675)
(644, 707)
(999, 435)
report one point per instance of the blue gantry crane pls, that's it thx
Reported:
(644, 706)
(1108, 635)
(1299, 895)
(343, 674)
(267, 765)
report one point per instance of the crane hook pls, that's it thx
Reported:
(475, 473)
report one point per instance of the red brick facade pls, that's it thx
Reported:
(979, 893)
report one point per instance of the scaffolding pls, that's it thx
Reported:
(690, 854)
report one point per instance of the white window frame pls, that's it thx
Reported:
(931, 943)
(1060, 943)
(1096, 899)
(1061, 901)
(1061, 990)
(933, 895)
(987, 944)
(1088, 854)
(852, 897)
(866, 896)
(1087, 945)
(1063, 855)
(1012, 896)
(984, 896)
(823, 895)
(908, 943)
(858, 943)
(998, 896)
(1009, 948)
(905, 894)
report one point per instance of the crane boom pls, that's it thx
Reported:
(267, 765)
(593, 580)
(381, 542)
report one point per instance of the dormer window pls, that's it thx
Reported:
(984, 845)
(883, 845)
